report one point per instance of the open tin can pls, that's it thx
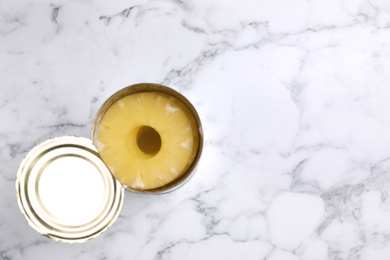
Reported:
(66, 191)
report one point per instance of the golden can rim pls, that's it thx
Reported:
(147, 87)
(35, 209)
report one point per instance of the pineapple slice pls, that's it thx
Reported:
(147, 139)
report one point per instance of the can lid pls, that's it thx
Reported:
(66, 192)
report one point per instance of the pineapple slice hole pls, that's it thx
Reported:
(148, 140)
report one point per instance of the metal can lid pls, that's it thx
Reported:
(66, 192)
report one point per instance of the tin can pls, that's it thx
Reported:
(148, 87)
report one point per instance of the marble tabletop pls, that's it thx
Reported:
(294, 99)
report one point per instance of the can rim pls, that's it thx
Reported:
(148, 87)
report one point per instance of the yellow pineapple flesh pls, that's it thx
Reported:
(147, 139)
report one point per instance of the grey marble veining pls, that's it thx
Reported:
(294, 101)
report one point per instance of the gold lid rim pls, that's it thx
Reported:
(54, 230)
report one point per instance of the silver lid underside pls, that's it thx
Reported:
(66, 192)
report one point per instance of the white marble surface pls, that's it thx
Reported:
(294, 98)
